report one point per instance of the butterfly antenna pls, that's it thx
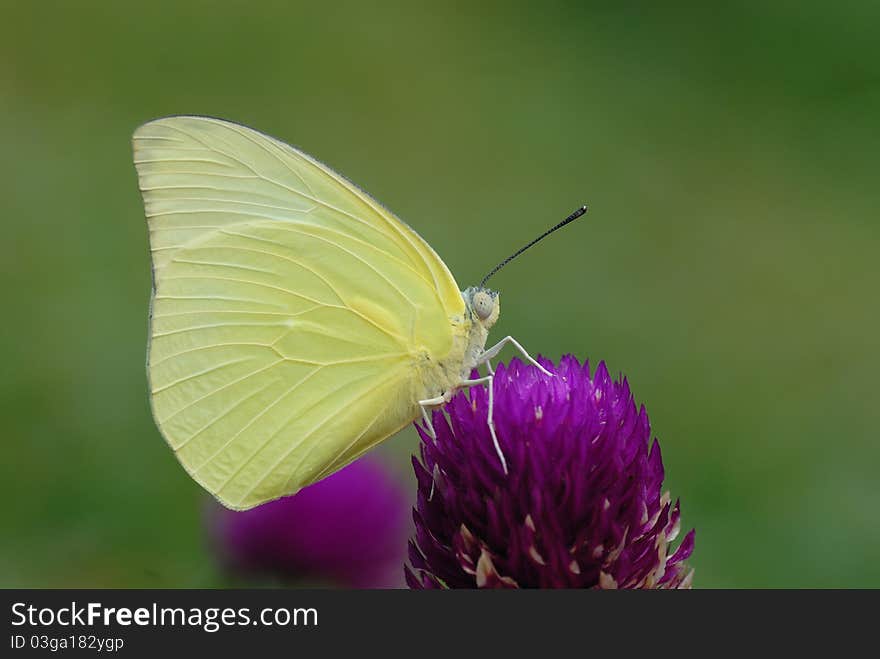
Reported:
(571, 218)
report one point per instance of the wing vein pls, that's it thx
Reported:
(224, 345)
(228, 442)
(275, 155)
(199, 374)
(304, 211)
(347, 446)
(345, 305)
(336, 457)
(145, 161)
(237, 311)
(293, 447)
(224, 298)
(312, 198)
(219, 389)
(210, 423)
(296, 227)
(248, 281)
(362, 260)
(193, 328)
(221, 264)
(166, 172)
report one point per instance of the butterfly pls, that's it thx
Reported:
(295, 323)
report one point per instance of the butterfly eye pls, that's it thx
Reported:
(483, 304)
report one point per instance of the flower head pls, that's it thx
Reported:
(347, 530)
(580, 506)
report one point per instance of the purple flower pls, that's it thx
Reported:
(580, 506)
(347, 530)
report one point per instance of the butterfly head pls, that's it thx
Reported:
(483, 304)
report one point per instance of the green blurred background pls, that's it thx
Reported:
(729, 265)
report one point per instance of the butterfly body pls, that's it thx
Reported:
(295, 323)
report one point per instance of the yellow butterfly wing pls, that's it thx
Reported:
(290, 311)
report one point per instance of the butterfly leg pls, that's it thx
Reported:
(494, 350)
(425, 404)
(489, 379)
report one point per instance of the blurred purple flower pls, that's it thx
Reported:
(347, 530)
(581, 506)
